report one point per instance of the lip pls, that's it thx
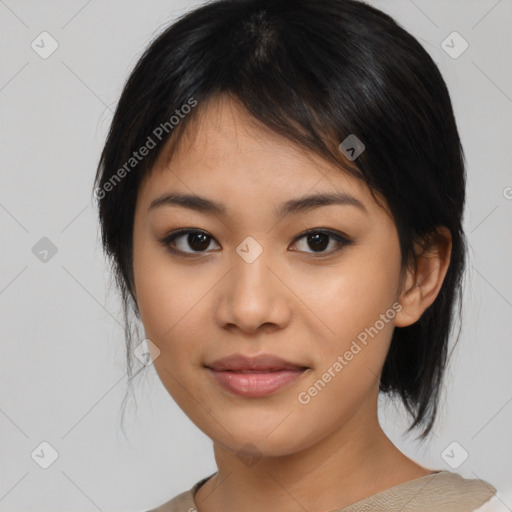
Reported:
(255, 376)
(260, 363)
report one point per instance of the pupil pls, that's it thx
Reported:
(198, 241)
(317, 242)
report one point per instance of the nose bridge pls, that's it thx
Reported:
(251, 277)
(252, 295)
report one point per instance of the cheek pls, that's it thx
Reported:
(171, 318)
(351, 297)
(164, 295)
(175, 304)
(170, 306)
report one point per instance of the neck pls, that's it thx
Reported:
(348, 465)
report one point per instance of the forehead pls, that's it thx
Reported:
(225, 151)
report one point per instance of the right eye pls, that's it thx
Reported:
(179, 241)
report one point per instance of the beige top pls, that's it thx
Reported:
(441, 491)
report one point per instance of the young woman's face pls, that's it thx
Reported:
(253, 283)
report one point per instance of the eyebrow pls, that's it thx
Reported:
(292, 206)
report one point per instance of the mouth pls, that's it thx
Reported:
(257, 376)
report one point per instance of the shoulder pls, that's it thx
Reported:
(436, 492)
(183, 502)
(431, 493)
(493, 505)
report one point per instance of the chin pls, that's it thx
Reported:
(261, 440)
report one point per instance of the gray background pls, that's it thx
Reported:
(62, 369)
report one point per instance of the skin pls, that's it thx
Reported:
(293, 302)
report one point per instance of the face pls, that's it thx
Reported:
(314, 284)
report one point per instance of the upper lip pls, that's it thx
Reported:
(262, 362)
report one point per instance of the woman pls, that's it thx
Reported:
(281, 194)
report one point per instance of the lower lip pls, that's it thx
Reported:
(256, 384)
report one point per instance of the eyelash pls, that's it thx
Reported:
(341, 239)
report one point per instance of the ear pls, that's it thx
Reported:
(422, 283)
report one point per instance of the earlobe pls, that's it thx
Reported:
(423, 283)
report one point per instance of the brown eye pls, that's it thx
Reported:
(319, 240)
(185, 239)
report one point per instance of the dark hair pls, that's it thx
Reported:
(315, 72)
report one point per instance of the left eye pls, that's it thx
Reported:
(319, 240)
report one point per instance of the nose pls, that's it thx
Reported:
(253, 296)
